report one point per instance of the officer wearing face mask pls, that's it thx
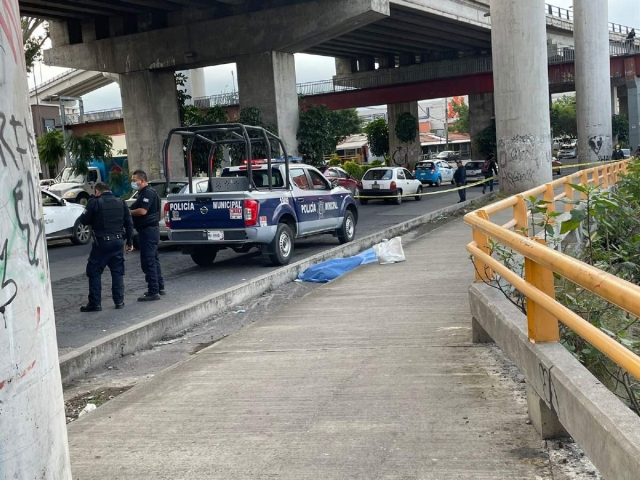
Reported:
(146, 213)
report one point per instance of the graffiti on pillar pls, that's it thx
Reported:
(549, 389)
(597, 143)
(518, 178)
(8, 287)
(528, 149)
(399, 157)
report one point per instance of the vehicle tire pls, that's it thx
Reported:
(282, 245)
(398, 198)
(81, 233)
(364, 201)
(204, 256)
(418, 196)
(82, 199)
(439, 182)
(347, 231)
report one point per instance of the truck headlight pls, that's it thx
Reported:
(69, 195)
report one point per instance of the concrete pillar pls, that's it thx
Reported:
(592, 64)
(150, 110)
(33, 434)
(481, 115)
(614, 101)
(633, 98)
(521, 91)
(542, 418)
(343, 66)
(268, 81)
(366, 63)
(403, 154)
(194, 84)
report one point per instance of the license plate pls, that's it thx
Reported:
(375, 186)
(216, 236)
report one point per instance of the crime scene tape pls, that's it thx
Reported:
(469, 185)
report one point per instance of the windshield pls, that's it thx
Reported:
(260, 177)
(69, 176)
(444, 154)
(378, 175)
(473, 165)
(425, 165)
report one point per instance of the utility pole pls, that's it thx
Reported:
(446, 122)
(33, 433)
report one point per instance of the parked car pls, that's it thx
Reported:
(45, 184)
(160, 186)
(569, 150)
(448, 155)
(434, 172)
(474, 170)
(62, 220)
(557, 166)
(392, 182)
(626, 152)
(344, 179)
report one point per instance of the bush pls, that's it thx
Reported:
(353, 169)
(335, 162)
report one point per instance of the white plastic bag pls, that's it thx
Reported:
(390, 251)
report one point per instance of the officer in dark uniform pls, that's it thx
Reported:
(111, 222)
(146, 213)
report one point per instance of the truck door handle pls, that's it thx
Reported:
(300, 199)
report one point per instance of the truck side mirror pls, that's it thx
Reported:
(335, 184)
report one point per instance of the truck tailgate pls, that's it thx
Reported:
(206, 211)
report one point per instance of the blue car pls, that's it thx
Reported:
(434, 172)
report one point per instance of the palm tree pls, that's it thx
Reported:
(51, 148)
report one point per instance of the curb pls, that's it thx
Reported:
(79, 361)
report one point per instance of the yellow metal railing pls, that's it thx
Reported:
(542, 262)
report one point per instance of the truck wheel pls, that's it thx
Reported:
(282, 245)
(204, 257)
(398, 198)
(82, 199)
(81, 233)
(347, 231)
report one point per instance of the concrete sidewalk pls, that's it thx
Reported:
(371, 376)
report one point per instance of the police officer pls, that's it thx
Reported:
(111, 222)
(146, 213)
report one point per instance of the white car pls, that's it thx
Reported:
(62, 220)
(392, 182)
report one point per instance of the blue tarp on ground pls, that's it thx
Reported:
(331, 269)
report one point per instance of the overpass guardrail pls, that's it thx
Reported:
(543, 263)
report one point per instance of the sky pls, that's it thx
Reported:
(309, 68)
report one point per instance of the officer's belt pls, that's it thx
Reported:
(117, 236)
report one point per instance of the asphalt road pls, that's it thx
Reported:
(186, 282)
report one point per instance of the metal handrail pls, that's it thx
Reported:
(566, 14)
(543, 262)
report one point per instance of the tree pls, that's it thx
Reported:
(620, 129)
(345, 123)
(51, 148)
(461, 110)
(316, 136)
(201, 150)
(378, 137)
(33, 44)
(252, 116)
(563, 117)
(88, 147)
(406, 127)
(485, 141)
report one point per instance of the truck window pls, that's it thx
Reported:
(260, 177)
(318, 180)
(299, 177)
(93, 176)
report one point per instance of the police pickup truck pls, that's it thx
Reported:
(260, 204)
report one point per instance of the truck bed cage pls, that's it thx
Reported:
(220, 135)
